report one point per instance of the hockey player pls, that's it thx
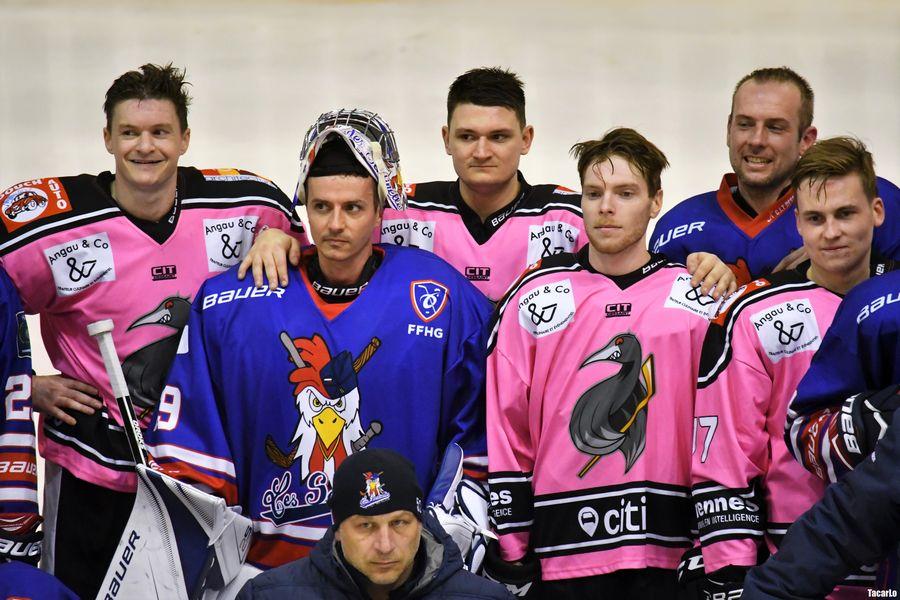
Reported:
(747, 488)
(490, 223)
(133, 246)
(747, 222)
(369, 346)
(19, 520)
(843, 404)
(858, 522)
(591, 392)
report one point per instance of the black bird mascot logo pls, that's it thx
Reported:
(612, 414)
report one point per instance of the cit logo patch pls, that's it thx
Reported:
(163, 272)
(478, 273)
(622, 309)
(429, 298)
(374, 492)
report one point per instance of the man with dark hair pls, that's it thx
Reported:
(747, 221)
(490, 223)
(381, 543)
(133, 246)
(747, 487)
(591, 392)
(369, 346)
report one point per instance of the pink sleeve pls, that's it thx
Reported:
(731, 453)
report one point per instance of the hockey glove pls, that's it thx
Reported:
(725, 584)
(19, 538)
(862, 421)
(520, 578)
(460, 506)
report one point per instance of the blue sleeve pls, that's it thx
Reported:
(674, 249)
(856, 523)
(463, 394)
(18, 470)
(887, 236)
(187, 437)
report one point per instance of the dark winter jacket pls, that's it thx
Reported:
(856, 523)
(324, 575)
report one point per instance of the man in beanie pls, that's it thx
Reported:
(381, 545)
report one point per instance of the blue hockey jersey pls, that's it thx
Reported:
(271, 389)
(19, 581)
(18, 470)
(753, 246)
(860, 352)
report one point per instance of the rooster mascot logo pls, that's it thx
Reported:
(326, 393)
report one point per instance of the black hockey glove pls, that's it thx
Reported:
(19, 538)
(863, 420)
(521, 578)
(725, 584)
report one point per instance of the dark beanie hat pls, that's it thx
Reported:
(376, 481)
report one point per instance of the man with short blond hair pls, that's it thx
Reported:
(747, 488)
(747, 222)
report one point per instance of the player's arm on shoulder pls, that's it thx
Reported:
(270, 255)
(712, 274)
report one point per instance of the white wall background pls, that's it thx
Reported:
(262, 71)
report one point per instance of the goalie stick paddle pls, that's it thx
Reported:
(102, 332)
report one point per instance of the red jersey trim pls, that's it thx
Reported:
(752, 226)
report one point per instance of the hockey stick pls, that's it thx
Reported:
(227, 548)
(102, 332)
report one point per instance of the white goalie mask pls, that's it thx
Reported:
(373, 144)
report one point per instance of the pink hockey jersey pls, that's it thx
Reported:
(590, 394)
(746, 485)
(76, 258)
(543, 220)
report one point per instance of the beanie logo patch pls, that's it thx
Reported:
(374, 492)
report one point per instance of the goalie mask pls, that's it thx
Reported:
(371, 141)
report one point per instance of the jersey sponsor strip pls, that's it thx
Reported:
(637, 513)
(724, 513)
(512, 503)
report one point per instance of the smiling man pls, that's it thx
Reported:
(747, 487)
(133, 246)
(747, 222)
